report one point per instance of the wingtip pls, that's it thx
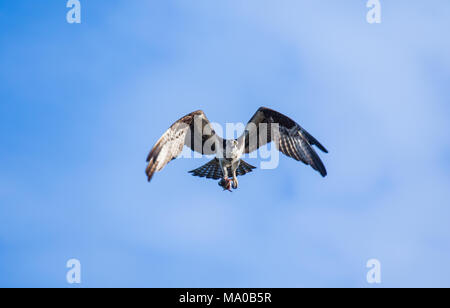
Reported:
(149, 172)
(320, 146)
(149, 178)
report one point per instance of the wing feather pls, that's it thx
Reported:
(192, 130)
(291, 139)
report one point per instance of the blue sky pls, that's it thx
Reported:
(81, 106)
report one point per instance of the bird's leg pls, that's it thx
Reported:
(235, 180)
(225, 183)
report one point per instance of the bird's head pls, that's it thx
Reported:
(231, 148)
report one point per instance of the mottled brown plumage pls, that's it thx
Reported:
(267, 125)
(190, 131)
(292, 140)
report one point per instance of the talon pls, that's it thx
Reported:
(235, 183)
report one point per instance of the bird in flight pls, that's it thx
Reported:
(267, 125)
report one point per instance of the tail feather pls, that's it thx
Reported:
(244, 168)
(212, 170)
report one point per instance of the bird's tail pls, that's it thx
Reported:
(213, 171)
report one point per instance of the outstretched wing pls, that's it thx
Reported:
(193, 130)
(291, 139)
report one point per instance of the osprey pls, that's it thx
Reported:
(267, 125)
